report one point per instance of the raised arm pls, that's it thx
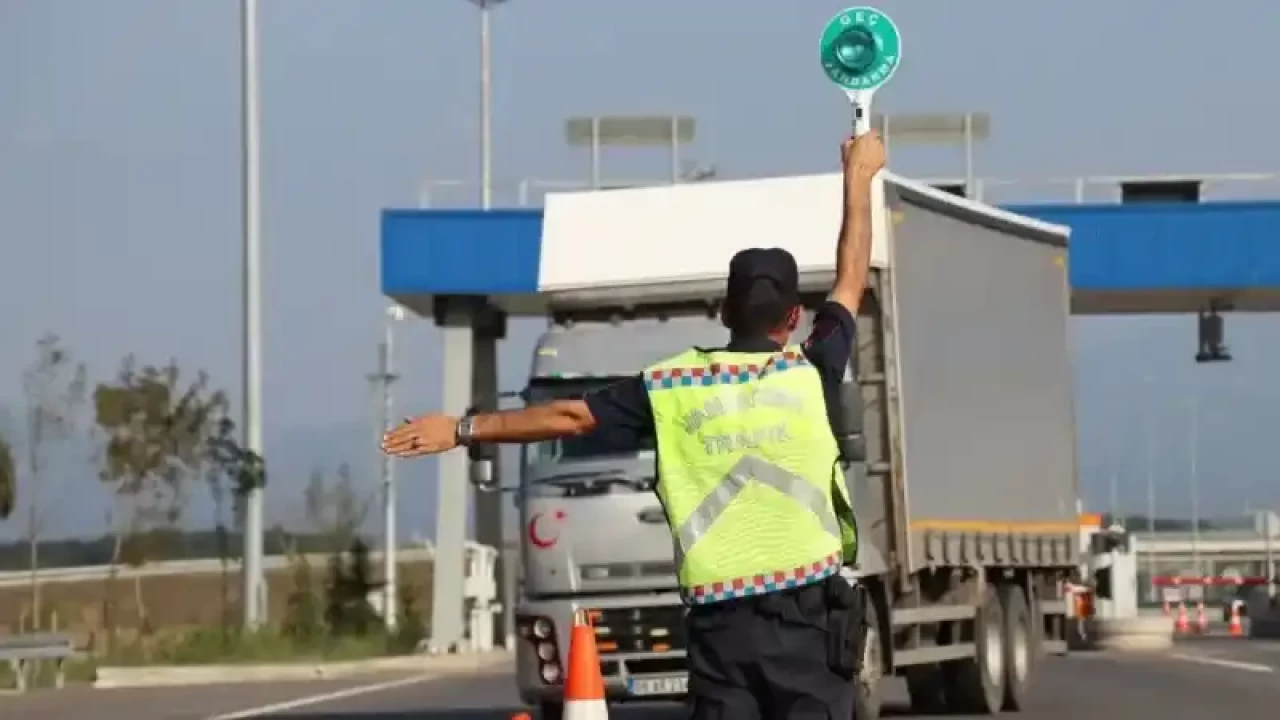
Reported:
(861, 158)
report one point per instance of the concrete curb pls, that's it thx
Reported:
(167, 676)
(1132, 634)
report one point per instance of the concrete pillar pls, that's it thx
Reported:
(490, 328)
(456, 318)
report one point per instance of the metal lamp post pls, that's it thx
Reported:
(1193, 451)
(381, 380)
(1149, 450)
(486, 102)
(254, 600)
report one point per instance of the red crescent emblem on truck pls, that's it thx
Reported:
(540, 541)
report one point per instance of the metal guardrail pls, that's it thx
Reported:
(17, 578)
(1207, 544)
(23, 653)
(1106, 189)
(528, 192)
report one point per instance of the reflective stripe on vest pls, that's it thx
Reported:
(746, 462)
(747, 469)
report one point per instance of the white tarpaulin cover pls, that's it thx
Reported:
(687, 233)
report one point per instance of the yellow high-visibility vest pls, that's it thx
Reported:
(748, 473)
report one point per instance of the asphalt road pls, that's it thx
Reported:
(1204, 677)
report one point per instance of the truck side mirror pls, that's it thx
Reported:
(1105, 541)
(847, 422)
(484, 457)
(482, 453)
(480, 473)
(1102, 583)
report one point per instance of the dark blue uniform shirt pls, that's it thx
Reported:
(623, 413)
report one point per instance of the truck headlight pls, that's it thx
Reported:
(546, 651)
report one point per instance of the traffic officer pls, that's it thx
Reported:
(748, 476)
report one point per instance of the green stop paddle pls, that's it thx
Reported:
(861, 49)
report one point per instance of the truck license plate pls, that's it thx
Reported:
(658, 685)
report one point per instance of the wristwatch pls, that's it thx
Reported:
(462, 434)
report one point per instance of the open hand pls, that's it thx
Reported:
(423, 435)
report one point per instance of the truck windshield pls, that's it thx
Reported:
(587, 447)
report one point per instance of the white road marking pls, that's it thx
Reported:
(321, 698)
(1230, 664)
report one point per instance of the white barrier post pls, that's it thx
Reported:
(480, 594)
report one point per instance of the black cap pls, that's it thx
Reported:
(764, 284)
(775, 265)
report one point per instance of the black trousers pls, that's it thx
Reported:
(769, 657)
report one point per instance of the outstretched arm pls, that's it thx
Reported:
(622, 409)
(862, 159)
(560, 418)
(431, 434)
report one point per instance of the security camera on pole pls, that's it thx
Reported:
(860, 49)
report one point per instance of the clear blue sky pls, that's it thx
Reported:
(119, 184)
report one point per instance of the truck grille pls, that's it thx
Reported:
(624, 631)
(620, 571)
(640, 630)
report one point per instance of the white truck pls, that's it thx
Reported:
(955, 423)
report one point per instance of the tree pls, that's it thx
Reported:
(54, 387)
(410, 629)
(8, 479)
(347, 607)
(304, 618)
(336, 512)
(157, 429)
(231, 469)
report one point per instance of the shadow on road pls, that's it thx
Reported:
(618, 712)
(624, 713)
(432, 714)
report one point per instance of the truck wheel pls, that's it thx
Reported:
(551, 711)
(927, 689)
(976, 685)
(867, 700)
(1019, 647)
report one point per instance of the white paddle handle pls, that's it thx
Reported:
(860, 103)
(861, 118)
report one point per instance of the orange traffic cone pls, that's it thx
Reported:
(521, 716)
(584, 686)
(1181, 626)
(1202, 620)
(1235, 627)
